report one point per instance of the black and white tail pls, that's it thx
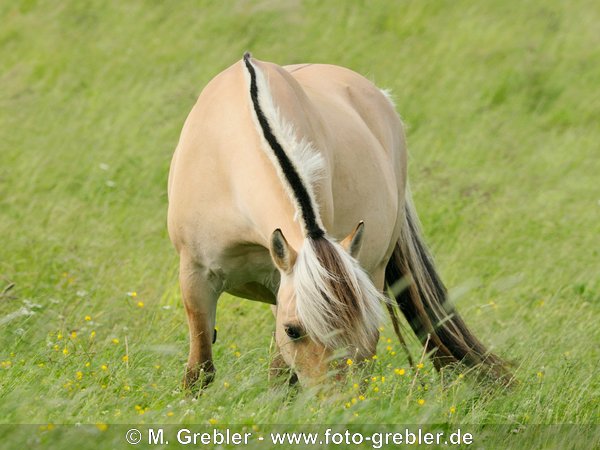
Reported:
(425, 304)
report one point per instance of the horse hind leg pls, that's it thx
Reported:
(200, 301)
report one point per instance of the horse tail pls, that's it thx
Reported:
(424, 303)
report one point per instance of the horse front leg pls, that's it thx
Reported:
(200, 301)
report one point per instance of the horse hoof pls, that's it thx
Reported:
(197, 379)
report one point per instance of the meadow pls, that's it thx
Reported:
(501, 102)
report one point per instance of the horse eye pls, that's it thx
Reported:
(294, 332)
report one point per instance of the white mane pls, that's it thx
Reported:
(338, 305)
(307, 161)
(319, 308)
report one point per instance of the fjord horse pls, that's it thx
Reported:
(288, 186)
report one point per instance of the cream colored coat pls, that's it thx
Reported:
(226, 198)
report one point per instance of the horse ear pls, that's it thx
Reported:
(353, 241)
(283, 255)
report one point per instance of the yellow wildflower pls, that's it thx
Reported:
(452, 410)
(65, 351)
(170, 414)
(115, 341)
(349, 362)
(212, 421)
(88, 318)
(421, 401)
(104, 367)
(140, 304)
(420, 365)
(102, 426)
(79, 375)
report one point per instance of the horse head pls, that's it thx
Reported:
(327, 307)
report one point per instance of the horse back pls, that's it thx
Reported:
(224, 194)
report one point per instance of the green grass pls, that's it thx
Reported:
(502, 108)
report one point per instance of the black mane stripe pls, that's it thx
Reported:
(313, 230)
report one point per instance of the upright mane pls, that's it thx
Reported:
(336, 301)
(301, 165)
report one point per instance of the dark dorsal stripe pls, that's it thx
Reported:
(313, 229)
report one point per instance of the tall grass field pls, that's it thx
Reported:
(501, 101)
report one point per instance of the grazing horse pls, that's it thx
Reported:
(288, 186)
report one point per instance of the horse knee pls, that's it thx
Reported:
(200, 302)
